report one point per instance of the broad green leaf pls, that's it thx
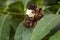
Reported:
(44, 26)
(19, 31)
(27, 34)
(16, 19)
(16, 7)
(5, 21)
(7, 3)
(40, 3)
(15, 22)
(56, 36)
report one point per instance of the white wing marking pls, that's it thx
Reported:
(29, 13)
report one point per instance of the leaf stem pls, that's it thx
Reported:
(12, 13)
(5, 8)
(58, 11)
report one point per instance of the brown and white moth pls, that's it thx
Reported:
(33, 15)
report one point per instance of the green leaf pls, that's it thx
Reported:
(54, 8)
(44, 26)
(34, 1)
(11, 1)
(16, 19)
(16, 7)
(2, 4)
(15, 22)
(5, 21)
(59, 2)
(7, 3)
(50, 2)
(56, 36)
(40, 3)
(19, 31)
(27, 34)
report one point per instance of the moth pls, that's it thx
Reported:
(33, 15)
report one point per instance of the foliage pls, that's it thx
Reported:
(12, 15)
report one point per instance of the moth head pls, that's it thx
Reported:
(32, 6)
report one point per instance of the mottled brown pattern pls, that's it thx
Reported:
(32, 21)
